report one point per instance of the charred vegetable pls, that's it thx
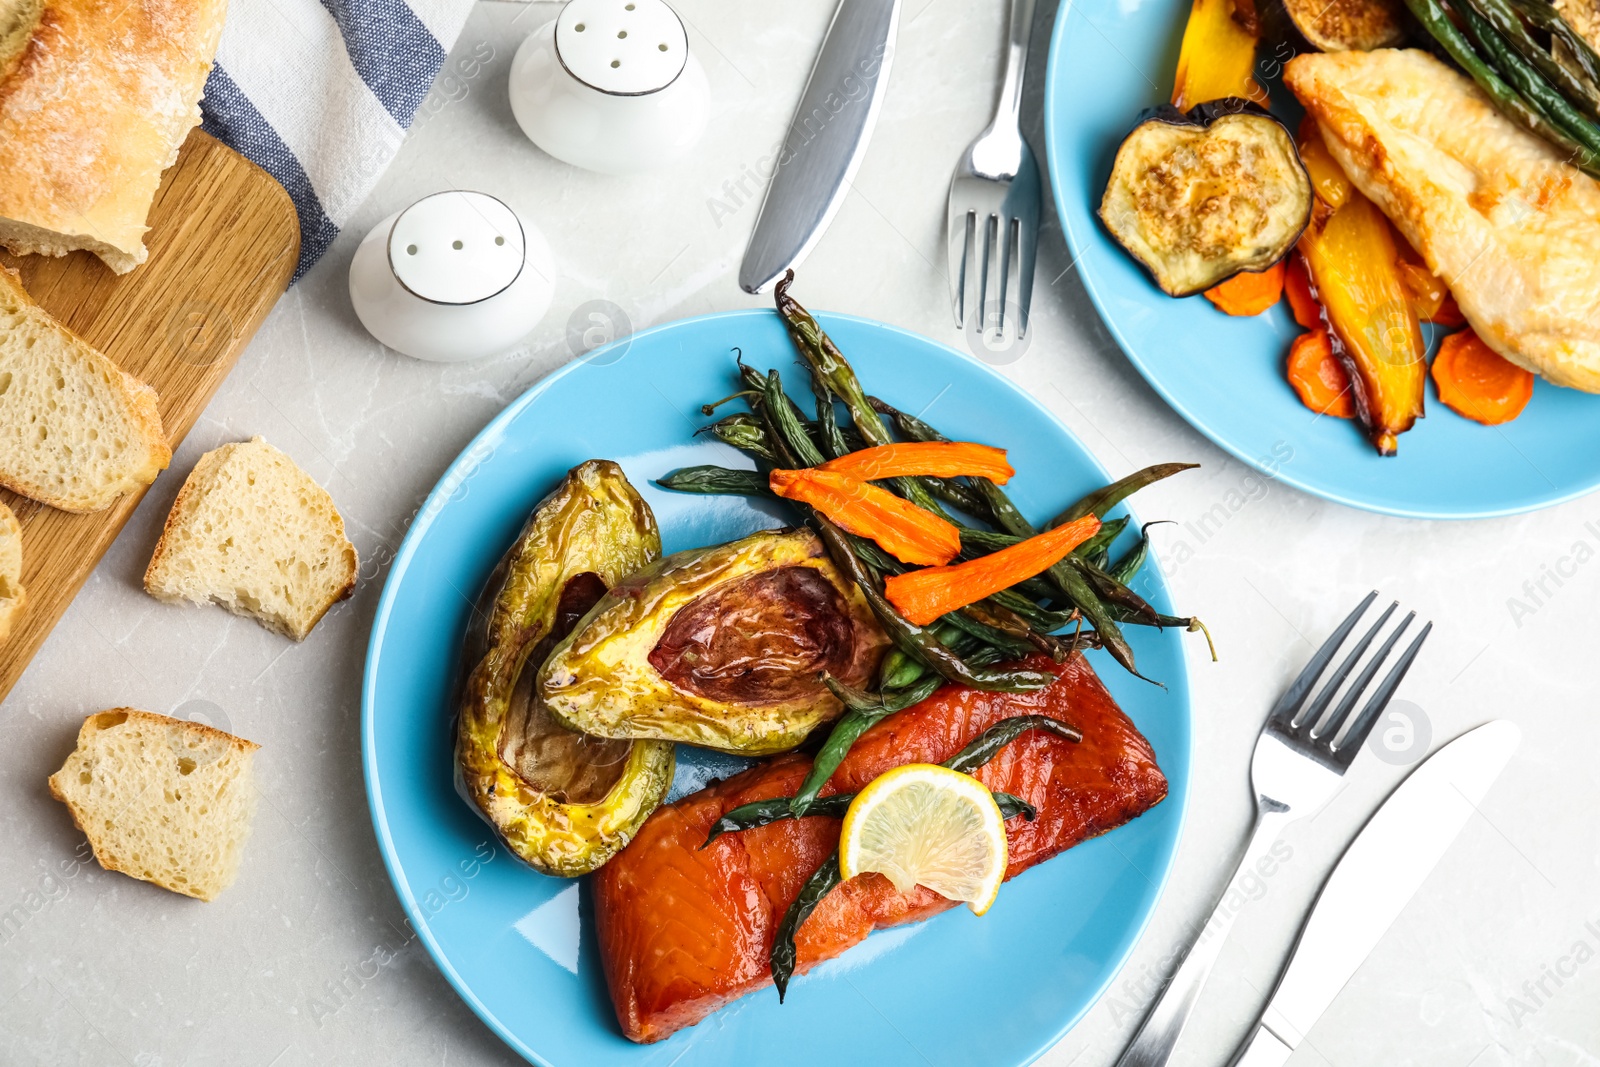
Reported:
(1353, 260)
(1199, 196)
(1218, 56)
(721, 647)
(564, 802)
(1348, 25)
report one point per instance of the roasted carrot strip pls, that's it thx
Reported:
(908, 533)
(1249, 293)
(1302, 301)
(1319, 377)
(941, 459)
(1476, 381)
(922, 596)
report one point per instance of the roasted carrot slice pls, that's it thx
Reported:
(1449, 313)
(941, 459)
(1250, 292)
(908, 533)
(1479, 383)
(1302, 301)
(922, 596)
(1318, 375)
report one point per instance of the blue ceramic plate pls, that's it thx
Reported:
(519, 947)
(1108, 60)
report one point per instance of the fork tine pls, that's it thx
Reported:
(1313, 713)
(1029, 249)
(991, 239)
(963, 229)
(1330, 728)
(1008, 254)
(1363, 723)
(1283, 712)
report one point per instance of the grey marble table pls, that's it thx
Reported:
(306, 959)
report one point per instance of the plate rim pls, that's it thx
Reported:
(1056, 162)
(449, 480)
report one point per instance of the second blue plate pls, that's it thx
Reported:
(1109, 59)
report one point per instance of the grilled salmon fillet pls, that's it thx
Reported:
(1494, 210)
(683, 931)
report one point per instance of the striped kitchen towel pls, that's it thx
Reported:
(319, 93)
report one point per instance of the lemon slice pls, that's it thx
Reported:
(927, 825)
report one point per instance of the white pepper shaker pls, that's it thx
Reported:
(611, 86)
(456, 276)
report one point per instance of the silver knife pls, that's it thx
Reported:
(1375, 878)
(826, 140)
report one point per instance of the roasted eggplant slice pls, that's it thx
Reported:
(562, 801)
(1348, 25)
(721, 647)
(1199, 196)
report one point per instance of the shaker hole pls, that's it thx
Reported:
(627, 7)
(579, 27)
(621, 34)
(456, 245)
(662, 47)
(499, 240)
(411, 250)
(616, 62)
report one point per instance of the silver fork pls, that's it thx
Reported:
(994, 201)
(1299, 759)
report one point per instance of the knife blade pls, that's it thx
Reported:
(826, 139)
(1373, 881)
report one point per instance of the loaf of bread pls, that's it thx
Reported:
(161, 799)
(96, 97)
(254, 533)
(75, 431)
(12, 596)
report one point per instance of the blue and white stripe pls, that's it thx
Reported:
(319, 93)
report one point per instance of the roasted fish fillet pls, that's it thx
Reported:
(683, 931)
(1494, 210)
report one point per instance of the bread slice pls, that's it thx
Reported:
(75, 431)
(161, 799)
(12, 595)
(254, 533)
(96, 98)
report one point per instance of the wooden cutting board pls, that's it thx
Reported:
(223, 244)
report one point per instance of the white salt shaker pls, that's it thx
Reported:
(610, 86)
(456, 276)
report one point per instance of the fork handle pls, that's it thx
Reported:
(1008, 112)
(1164, 1024)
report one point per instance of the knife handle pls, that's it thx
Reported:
(1262, 1048)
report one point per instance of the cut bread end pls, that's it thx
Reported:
(161, 799)
(12, 595)
(253, 533)
(76, 431)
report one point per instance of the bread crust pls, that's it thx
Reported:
(140, 407)
(13, 597)
(96, 98)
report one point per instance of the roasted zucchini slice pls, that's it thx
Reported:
(721, 647)
(1199, 196)
(561, 801)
